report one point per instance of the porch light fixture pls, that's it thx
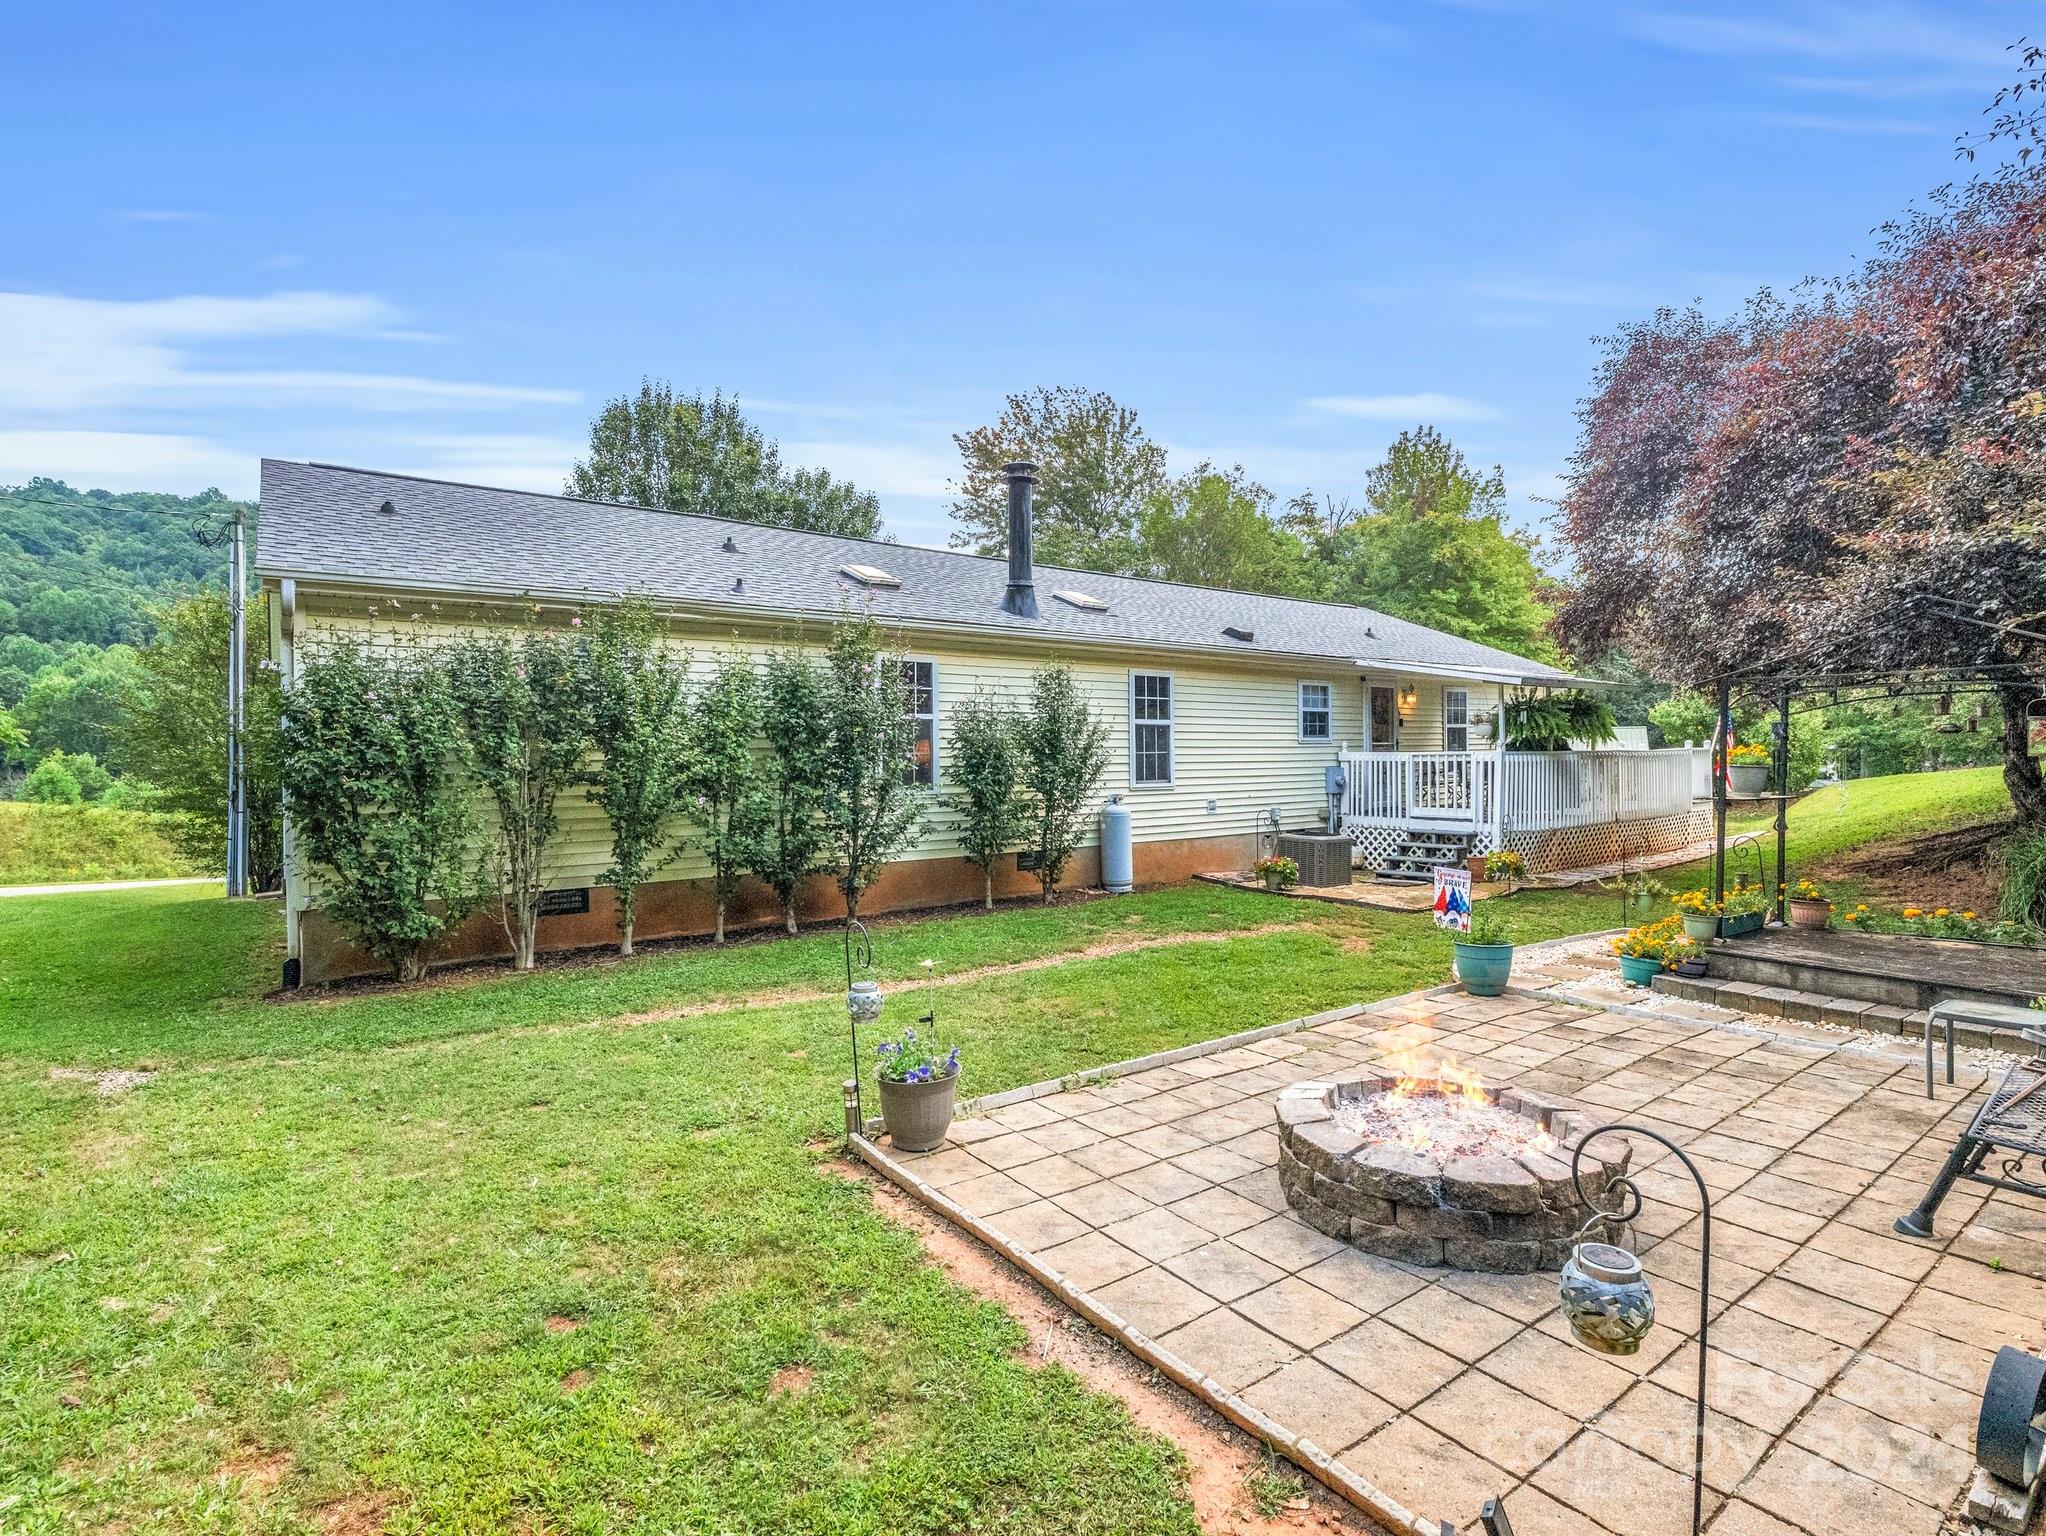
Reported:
(1409, 696)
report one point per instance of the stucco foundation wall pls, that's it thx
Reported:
(683, 908)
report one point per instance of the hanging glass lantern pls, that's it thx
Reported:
(863, 1001)
(1606, 1298)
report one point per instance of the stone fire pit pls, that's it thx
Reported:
(1440, 1174)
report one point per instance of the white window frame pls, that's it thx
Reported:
(1171, 724)
(1463, 724)
(937, 757)
(1326, 709)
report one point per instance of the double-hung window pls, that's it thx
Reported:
(1150, 728)
(920, 703)
(1456, 720)
(1316, 720)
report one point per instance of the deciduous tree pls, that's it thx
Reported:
(1213, 527)
(727, 799)
(985, 772)
(872, 808)
(794, 844)
(1064, 746)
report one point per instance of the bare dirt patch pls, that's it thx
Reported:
(356, 1514)
(1955, 868)
(791, 1381)
(1221, 1459)
(256, 1471)
(106, 1084)
(576, 1380)
(562, 1323)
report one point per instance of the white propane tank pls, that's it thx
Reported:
(1118, 865)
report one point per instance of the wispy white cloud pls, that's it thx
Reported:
(59, 353)
(157, 215)
(520, 460)
(1425, 405)
(1838, 32)
(125, 461)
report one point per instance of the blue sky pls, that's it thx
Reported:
(435, 238)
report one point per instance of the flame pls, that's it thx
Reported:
(1424, 1073)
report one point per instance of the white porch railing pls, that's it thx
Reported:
(1519, 792)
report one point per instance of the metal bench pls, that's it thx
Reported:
(2012, 1121)
(1960, 1010)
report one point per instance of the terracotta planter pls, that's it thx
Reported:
(1810, 912)
(918, 1115)
(1476, 866)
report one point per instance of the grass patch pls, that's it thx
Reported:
(535, 1252)
(52, 844)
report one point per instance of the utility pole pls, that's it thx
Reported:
(237, 663)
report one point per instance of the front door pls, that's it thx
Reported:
(1384, 719)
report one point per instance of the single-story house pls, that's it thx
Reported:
(1226, 709)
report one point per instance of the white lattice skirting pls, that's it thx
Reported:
(1611, 842)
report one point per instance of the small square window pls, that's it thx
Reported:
(1316, 717)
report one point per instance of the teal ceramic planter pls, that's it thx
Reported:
(1701, 926)
(1640, 970)
(1738, 925)
(1484, 968)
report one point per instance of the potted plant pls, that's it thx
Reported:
(1276, 870)
(1809, 906)
(1641, 950)
(1477, 864)
(1684, 956)
(1504, 866)
(919, 1088)
(1744, 911)
(1484, 953)
(1700, 914)
(1747, 769)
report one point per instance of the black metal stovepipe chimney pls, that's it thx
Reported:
(1021, 598)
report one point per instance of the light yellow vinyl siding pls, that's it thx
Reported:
(1236, 747)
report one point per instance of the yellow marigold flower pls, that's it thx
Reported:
(1914, 911)
(1849, 917)
(1939, 911)
(1970, 916)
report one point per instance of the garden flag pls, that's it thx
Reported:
(1453, 897)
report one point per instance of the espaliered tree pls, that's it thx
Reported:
(1063, 744)
(872, 808)
(639, 714)
(523, 703)
(725, 795)
(985, 771)
(371, 756)
(792, 844)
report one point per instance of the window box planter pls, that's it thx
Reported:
(1747, 780)
(1737, 925)
(1810, 912)
(918, 1115)
(1483, 968)
(1701, 926)
(1640, 970)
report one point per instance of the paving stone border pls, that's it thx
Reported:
(1506, 1215)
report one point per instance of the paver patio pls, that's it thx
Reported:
(1847, 1361)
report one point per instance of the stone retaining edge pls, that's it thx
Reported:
(1298, 1449)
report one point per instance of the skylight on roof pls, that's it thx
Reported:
(1080, 600)
(869, 576)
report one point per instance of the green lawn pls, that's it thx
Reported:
(306, 1274)
(52, 844)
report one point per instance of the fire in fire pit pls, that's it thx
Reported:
(1423, 1163)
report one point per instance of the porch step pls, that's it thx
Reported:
(1415, 860)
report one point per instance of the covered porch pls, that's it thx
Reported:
(1557, 809)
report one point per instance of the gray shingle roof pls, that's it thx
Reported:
(322, 522)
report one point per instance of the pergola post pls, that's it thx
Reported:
(1723, 739)
(1782, 798)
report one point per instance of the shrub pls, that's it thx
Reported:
(523, 703)
(2023, 859)
(1065, 750)
(986, 772)
(639, 712)
(793, 842)
(50, 782)
(371, 749)
(1487, 927)
(726, 797)
(872, 808)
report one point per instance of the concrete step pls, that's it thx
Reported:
(1820, 1008)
